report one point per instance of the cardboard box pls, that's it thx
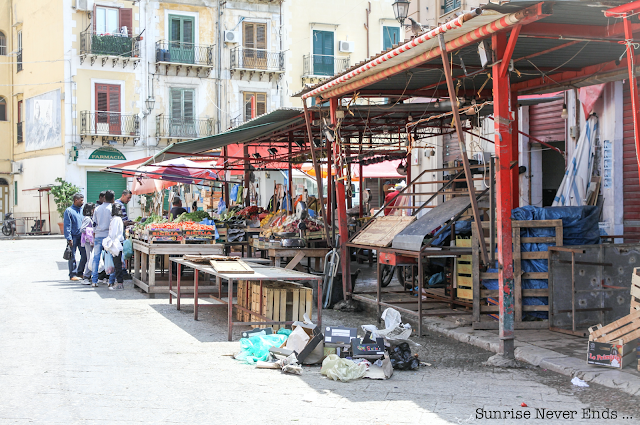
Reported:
(313, 352)
(612, 354)
(281, 351)
(367, 350)
(310, 328)
(380, 372)
(339, 335)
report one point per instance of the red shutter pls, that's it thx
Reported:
(126, 19)
(19, 111)
(545, 122)
(630, 182)
(114, 98)
(102, 97)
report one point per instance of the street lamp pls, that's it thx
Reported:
(150, 103)
(401, 10)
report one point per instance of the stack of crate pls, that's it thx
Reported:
(464, 280)
(635, 301)
(278, 301)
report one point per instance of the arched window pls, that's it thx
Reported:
(3, 109)
(3, 44)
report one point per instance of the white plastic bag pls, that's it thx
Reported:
(343, 370)
(394, 330)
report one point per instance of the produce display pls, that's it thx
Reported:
(289, 224)
(236, 214)
(196, 216)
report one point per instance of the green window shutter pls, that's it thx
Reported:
(187, 30)
(451, 5)
(15, 193)
(323, 53)
(182, 29)
(182, 104)
(176, 104)
(188, 104)
(390, 37)
(98, 181)
(175, 29)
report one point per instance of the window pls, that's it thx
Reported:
(182, 113)
(3, 44)
(15, 193)
(19, 54)
(390, 37)
(19, 133)
(3, 109)
(322, 53)
(107, 109)
(261, 104)
(181, 36)
(109, 20)
(450, 5)
(254, 53)
(20, 111)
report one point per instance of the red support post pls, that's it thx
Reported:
(290, 189)
(341, 211)
(515, 172)
(360, 178)
(633, 84)
(225, 159)
(502, 125)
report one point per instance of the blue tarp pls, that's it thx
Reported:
(579, 227)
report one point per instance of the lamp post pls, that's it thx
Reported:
(401, 10)
(150, 103)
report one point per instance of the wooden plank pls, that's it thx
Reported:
(382, 230)
(465, 281)
(309, 302)
(295, 261)
(620, 333)
(535, 223)
(466, 294)
(276, 306)
(495, 308)
(240, 300)
(467, 258)
(484, 293)
(550, 239)
(234, 266)
(268, 308)
(464, 268)
(475, 276)
(283, 305)
(538, 255)
(295, 304)
(535, 275)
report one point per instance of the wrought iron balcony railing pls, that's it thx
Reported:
(184, 128)
(19, 61)
(184, 53)
(20, 137)
(315, 65)
(261, 60)
(118, 45)
(109, 124)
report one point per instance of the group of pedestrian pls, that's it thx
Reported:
(92, 229)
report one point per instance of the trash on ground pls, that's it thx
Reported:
(579, 382)
(340, 369)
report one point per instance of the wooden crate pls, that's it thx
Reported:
(464, 271)
(635, 291)
(621, 336)
(485, 302)
(280, 301)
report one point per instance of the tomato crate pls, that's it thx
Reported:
(199, 234)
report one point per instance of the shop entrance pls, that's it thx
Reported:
(98, 181)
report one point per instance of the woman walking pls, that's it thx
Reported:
(86, 243)
(113, 245)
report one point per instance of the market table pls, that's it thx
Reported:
(144, 258)
(261, 274)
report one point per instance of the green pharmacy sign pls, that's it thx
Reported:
(107, 152)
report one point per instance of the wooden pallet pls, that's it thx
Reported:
(279, 301)
(635, 292)
(382, 230)
(464, 271)
(485, 301)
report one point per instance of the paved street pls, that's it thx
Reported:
(71, 354)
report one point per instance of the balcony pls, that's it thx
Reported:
(320, 66)
(114, 48)
(183, 128)
(19, 61)
(20, 137)
(178, 55)
(258, 61)
(109, 127)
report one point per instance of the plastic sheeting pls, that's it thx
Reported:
(580, 227)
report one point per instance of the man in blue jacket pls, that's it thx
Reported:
(72, 225)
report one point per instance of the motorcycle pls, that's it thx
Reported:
(8, 225)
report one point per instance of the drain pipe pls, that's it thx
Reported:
(219, 70)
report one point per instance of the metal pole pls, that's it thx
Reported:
(290, 200)
(633, 85)
(501, 93)
(225, 158)
(361, 177)
(463, 149)
(515, 172)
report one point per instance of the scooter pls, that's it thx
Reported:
(8, 225)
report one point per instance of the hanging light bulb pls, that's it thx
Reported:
(565, 114)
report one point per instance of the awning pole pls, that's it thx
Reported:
(361, 178)
(316, 166)
(463, 149)
(502, 125)
(515, 171)
(290, 200)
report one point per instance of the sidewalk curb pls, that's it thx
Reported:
(28, 238)
(541, 357)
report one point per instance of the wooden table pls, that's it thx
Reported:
(262, 274)
(276, 254)
(144, 258)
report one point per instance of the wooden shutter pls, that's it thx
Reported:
(126, 19)
(247, 106)
(261, 36)
(187, 30)
(20, 111)
(176, 104)
(261, 104)
(188, 102)
(114, 98)
(249, 35)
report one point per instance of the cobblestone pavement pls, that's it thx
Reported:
(71, 354)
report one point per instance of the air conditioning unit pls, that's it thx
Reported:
(232, 36)
(81, 5)
(16, 167)
(346, 46)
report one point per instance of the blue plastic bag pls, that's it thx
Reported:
(256, 348)
(127, 249)
(222, 207)
(109, 267)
